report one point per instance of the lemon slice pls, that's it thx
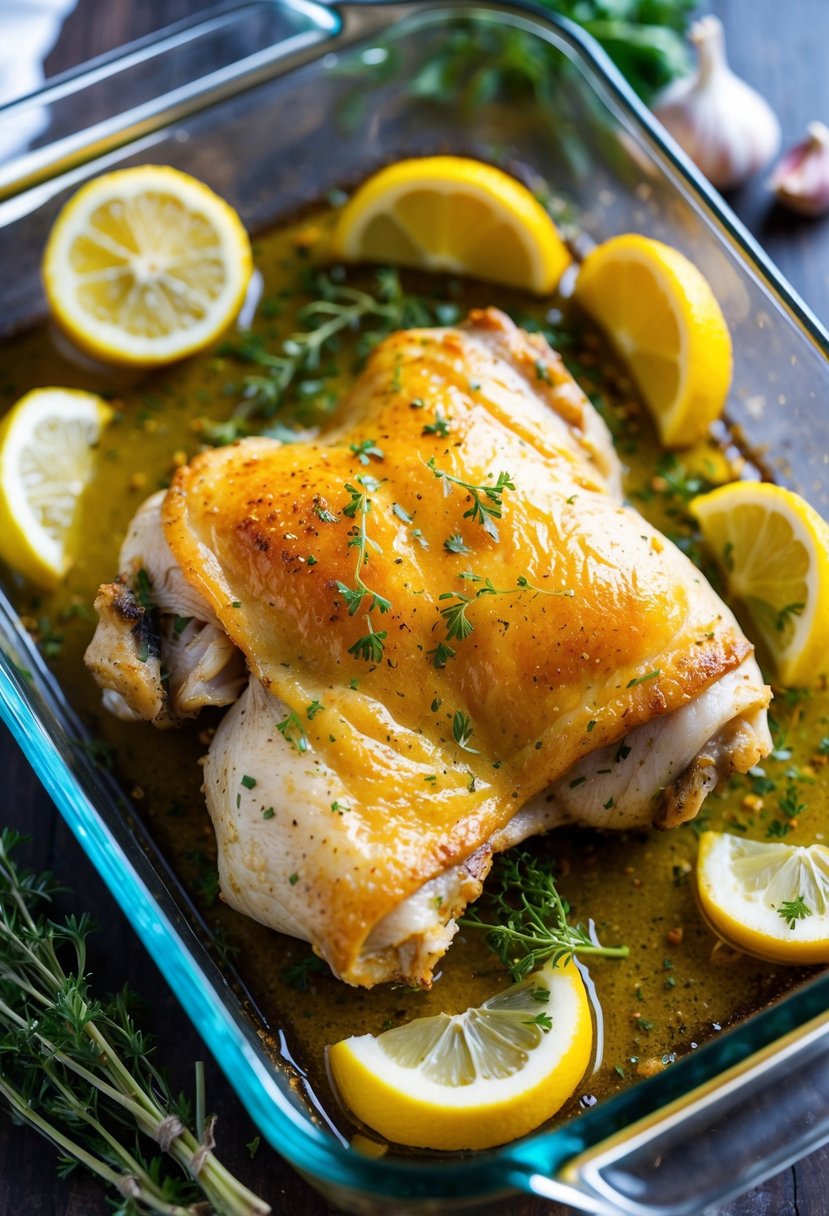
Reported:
(47, 455)
(146, 265)
(774, 551)
(451, 213)
(475, 1079)
(663, 319)
(769, 899)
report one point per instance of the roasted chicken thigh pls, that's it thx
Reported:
(456, 635)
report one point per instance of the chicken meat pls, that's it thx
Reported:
(441, 630)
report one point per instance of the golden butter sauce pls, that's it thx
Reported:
(677, 987)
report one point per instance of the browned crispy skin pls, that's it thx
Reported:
(544, 678)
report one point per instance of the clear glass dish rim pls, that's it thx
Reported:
(305, 1145)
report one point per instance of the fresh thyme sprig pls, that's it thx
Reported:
(370, 646)
(78, 1070)
(337, 309)
(458, 625)
(487, 504)
(793, 910)
(530, 925)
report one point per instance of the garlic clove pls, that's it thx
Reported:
(801, 180)
(724, 125)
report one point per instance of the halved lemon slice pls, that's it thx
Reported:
(769, 899)
(475, 1079)
(662, 317)
(47, 443)
(773, 549)
(452, 213)
(146, 265)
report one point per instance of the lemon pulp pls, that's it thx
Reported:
(746, 888)
(773, 549)
(475, 1079)
(664, 320)
(454, 214)
(146, 265)
(47, 443)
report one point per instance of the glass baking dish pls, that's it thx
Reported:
(274, 105)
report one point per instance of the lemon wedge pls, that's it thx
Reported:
(773, 549)
(146, 265)
(452, 213)
(475, 1079)
(47, 443)
(769, 899)
(663, 319)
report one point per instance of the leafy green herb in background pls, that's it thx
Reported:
(644, 38)
(77, 1069)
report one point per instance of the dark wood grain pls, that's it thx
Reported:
(781, 49)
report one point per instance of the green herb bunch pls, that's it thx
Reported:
(335, 310)
(78, 1070)
(530, 925)
(644, 38)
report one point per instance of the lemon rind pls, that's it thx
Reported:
(408, 1108)
(26, 545)
(508, 199)
(106, 340)
(772, 941)
(806, 654)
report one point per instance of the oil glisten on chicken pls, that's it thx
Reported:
(374, 758)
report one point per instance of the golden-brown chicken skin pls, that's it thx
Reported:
(585, 621)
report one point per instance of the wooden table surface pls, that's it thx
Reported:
(781, 48)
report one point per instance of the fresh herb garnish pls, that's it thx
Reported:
(439, 427)
(541, 1019)
(365, 449)
(783, 619)
(454, 615)
(369, 647)
(456, 544)
(530, 925)
(291, 730)
(440, 654)
(651, 675)
(337, 309)
(299, 974)
(144, 590)
(793, 910)
(487, 500)
(462, 731)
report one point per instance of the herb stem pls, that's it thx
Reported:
(126, 1184)
(63, 1060)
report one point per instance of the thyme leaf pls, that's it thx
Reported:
(529, 923)
(369, 647)
(336, 309)
(487, 504)
(793, 910)
(462, 731)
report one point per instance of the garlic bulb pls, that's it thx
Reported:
(801, 180)
(723, 124)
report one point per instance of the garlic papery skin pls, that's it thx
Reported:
(801, 180)
(726, 127)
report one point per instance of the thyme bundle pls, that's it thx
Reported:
(78, 1070)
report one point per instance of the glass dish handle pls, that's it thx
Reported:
(130, 93)
(719, 1141)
